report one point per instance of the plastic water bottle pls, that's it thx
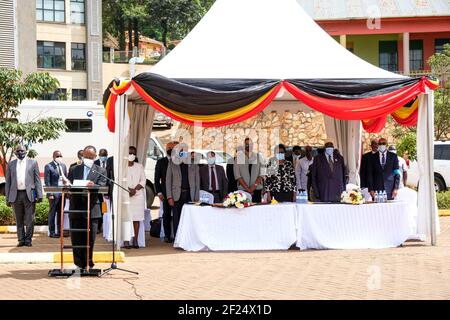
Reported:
(377, 197)
(304, 197)
(298, 198)
(384, 196)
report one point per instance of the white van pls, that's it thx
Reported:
(86, 125)
(441, 167)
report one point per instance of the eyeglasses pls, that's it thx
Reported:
(382, 143)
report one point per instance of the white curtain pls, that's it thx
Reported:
(346, 136)
(141, 119)
(427, 206)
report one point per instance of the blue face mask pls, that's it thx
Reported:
(382, 148)
(329, 151)
(183, 154)
(103, 159)
(279, 156)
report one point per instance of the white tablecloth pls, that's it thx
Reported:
(340, 226)
(256, 228)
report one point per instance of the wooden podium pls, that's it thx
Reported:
(64, 191)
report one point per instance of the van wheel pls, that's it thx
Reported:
(150, 194)
(439, 184)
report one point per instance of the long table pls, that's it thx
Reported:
(278, 227)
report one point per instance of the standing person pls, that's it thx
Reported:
(280, 181)
(54, 172)
(160, 186)
(213, 178)
(384, 173)
(302, 169)
(102, 162)
(248, 171)
(23, 189)
(182, 181)
(78, 162)
(136, 181)
(363, 171)
(232, 182)
(328, 175)
(406, 158)
(78, 220)
(402, 166)
(296, 155)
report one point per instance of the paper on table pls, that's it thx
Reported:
(80, 183)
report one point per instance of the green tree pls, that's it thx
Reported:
(13, 91)
(440, 66)
(408, 143)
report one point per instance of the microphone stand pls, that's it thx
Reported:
(114, 263)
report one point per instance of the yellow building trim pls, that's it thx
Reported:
(99, 257)
(3, 229)
(444, 213)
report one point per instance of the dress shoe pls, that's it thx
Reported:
(28, 244)
(20, 244)
(66, 234)
(54, 236)
(166, 240)
(136, 247)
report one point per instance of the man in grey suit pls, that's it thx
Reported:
(182, 181)
(249, 171)
(23, 190)
(213, 178)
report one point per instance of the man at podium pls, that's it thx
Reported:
(89, 172)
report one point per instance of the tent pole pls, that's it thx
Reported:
(430, 121)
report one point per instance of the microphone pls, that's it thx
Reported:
(107, 178)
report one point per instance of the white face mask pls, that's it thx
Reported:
(329, 151)
(279, 156)
(58, 160)
(131, 157)
(88, 162)
(211, 160)
(382, 148)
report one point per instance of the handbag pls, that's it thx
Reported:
(155, 228)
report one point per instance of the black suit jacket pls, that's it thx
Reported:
(221, 180)
(160, 175)
(383, 179)
(51, 175)
(109, 172)
(364, 169)
(232, 182)
(79, 201)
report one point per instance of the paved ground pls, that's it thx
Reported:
(415, 271)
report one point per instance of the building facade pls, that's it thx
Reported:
(396, 35)
(62, 37)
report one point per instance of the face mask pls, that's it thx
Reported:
(183, 154)
(88, 162)
(131, 157)
(211, 160)
(58, 160)
(329, 151)
(382, 148)
(279, 156)
(21, 155)
(104, 158)
(296, 156)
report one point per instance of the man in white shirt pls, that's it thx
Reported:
(23, 189)
(302, 169)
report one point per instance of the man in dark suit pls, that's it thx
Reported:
(86, 171)
(23, 189)
(384, 173)
(160, 186)
(363, 171)
(79, 161)
(102, 162)
(213, 178)
(328, 175)
(55, 173)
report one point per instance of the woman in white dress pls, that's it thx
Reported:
(136, 186)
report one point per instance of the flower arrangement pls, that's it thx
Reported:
(352, 195)
(237, 199)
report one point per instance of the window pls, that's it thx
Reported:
(416, 55)
(79, 95)
(51, 55)
(78, 56)
(442, 152)
(59, 94)
(77, 12)
(439, 45)
(50, 10)
(78, 125)
(388, 55)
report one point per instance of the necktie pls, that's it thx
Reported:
(330, 163)
(103, 164)
(213, 180)
(383, 160)
(59, 169)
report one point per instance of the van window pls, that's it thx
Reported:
(153, 150)
(445, 155)
(78, 125)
